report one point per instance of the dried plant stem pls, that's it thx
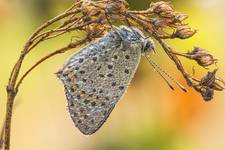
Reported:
(175, 59)
(2, 135)
(10, 102)
(169, 52)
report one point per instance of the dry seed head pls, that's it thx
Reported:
(114, 8)
(202, 57)
(163, 9)
(87, 7)
(184, 32)
(158, 23)
(180, 17)
(207, 93)
(206, 85)
(96, 30)
(209, 79)
(178, 20)
(91, 12)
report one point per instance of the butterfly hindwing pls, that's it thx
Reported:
(98, 75)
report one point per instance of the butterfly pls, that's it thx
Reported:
(97, 76)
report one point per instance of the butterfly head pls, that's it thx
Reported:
(148, 45)
(135, 35)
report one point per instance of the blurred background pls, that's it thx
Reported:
(149, 117)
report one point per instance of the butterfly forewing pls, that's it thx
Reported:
(97, 76)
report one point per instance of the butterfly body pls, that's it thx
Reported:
(96, 77)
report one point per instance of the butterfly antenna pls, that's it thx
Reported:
(156, 69)
(160, 71)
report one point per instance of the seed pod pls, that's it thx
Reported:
(163, 9)
(201, 56)
(207, 93)
(115, 8)
(207, 85)
(184, 32)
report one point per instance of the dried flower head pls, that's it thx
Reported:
(209, 79)
(179, 17)
(184, 32)
(207, 93)
(201, 56)
(115, 8)
(206, 85)
(163, 9)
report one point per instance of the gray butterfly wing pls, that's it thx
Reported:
(98, 75)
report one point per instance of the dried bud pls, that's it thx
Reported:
(114, 8)
(207, 93)
(180, 17)
(184, 32)
(201, 56)
(207, 85)
(162, 9)
(90, 11)
(96, 30)
(158, 23)
(209, 79)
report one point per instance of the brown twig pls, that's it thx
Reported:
(2, 135)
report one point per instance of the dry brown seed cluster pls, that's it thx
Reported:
(208, 84)
(201, 56)
(163, 9)
(184, 32)
(115, 9)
